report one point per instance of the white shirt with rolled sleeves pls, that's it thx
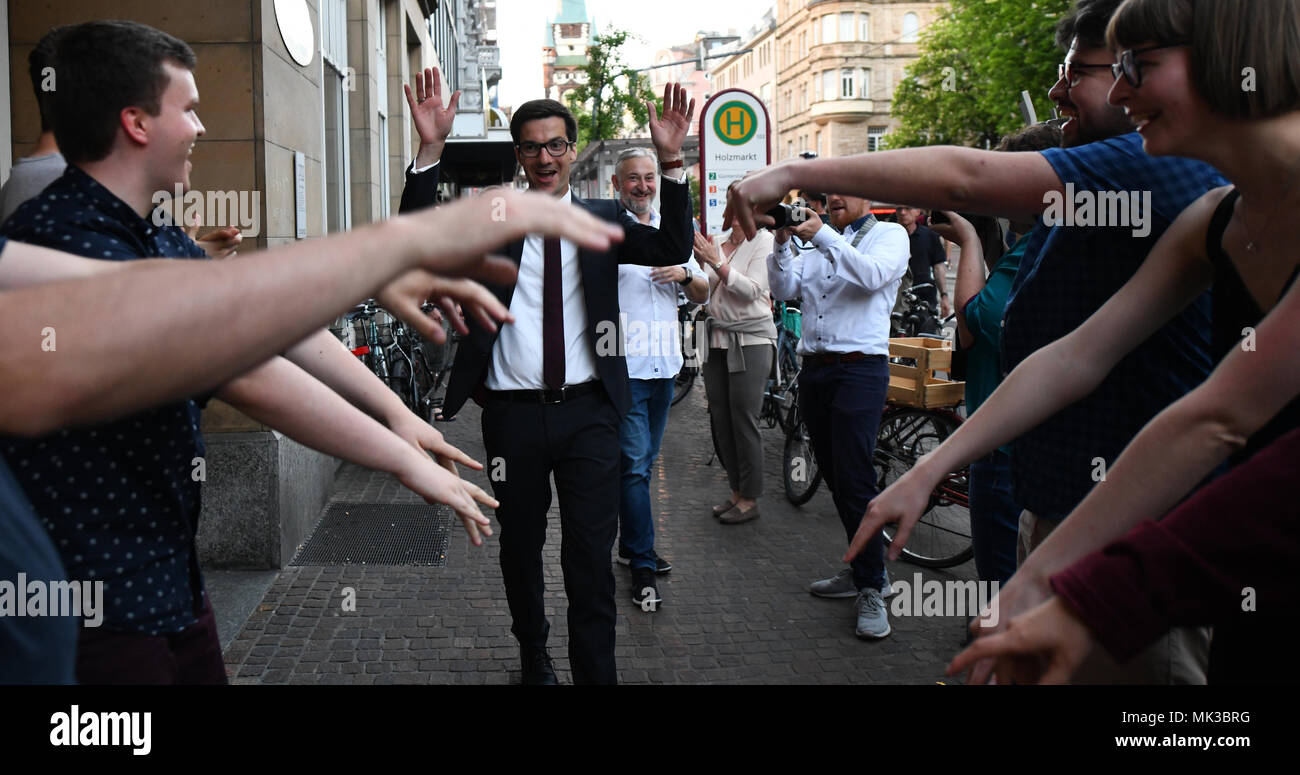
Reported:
(652, 342)
(847, 293)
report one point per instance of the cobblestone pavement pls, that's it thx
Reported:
(735, 609)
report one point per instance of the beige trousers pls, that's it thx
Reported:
(1180, 656)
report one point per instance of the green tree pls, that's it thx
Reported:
(964, 89)
(612, 91)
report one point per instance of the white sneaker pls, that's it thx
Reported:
(873, 621)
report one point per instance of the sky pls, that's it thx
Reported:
(661, 23)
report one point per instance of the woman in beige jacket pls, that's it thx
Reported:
(742, 343)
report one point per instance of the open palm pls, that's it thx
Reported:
(669, 131)
(432, 120)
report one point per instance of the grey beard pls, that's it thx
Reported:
(640, 209)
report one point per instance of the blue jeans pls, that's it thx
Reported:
(640, 434)
(842, 404)
(994, 518)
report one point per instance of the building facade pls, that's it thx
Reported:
(753, 68)
(838, 63)
(305, 117)
(564, 50)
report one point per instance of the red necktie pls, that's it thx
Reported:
(552, 317)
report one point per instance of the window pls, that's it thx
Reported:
(381, 67)
(765, 93)
(864, 26)
(828, 85)
(803, 97)
(334, 50)
(789, 149)
(846, 26)
(911, 26)
(875, 138)
(864, 84)
(828, 28)
(846, 84)
(803, 45)
(817, 142)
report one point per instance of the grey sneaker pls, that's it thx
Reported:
(873, 621)
(887, 591)
(839, 585)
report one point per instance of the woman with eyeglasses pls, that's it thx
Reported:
(1215, 80)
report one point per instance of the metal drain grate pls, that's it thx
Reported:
(379, 534)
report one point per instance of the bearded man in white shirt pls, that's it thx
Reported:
(652, 346)
(848, 282)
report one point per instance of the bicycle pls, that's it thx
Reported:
(941, 538)
(800, 474)
(412, 368)
(691, 319)
(918, 319)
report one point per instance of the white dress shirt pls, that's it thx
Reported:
(652, 342)
(847, 294)
(517, 354)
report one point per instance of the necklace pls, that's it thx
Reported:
(1250, 240)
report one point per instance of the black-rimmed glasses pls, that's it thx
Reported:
(1129, 66)
(555, 147)
(1072, 72)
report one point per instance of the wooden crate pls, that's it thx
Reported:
(916, 385)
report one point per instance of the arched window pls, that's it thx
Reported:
(911, 26)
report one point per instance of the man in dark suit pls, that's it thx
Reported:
(553, 385)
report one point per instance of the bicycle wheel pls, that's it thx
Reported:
(799, 465)
(941, 538)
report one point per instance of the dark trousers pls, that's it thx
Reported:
(842, 404)
(191, 656)
(577, 441)
(994, 518)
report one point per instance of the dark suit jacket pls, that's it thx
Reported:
(668, 245)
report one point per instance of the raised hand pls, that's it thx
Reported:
(669, 131)
(432, 121)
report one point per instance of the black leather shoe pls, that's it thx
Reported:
(538, 670)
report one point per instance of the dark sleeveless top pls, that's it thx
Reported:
(1234, 308)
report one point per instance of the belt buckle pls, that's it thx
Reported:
(553, 396)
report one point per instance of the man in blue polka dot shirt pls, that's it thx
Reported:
(121, 501)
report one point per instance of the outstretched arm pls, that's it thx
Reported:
(938, 177)
(1172, 276)
(285, 397)
(181, 338)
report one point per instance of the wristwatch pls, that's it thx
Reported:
(684, 283)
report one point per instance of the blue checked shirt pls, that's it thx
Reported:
(1067, 274)
(119, 499)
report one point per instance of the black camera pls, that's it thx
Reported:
(785, 215)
